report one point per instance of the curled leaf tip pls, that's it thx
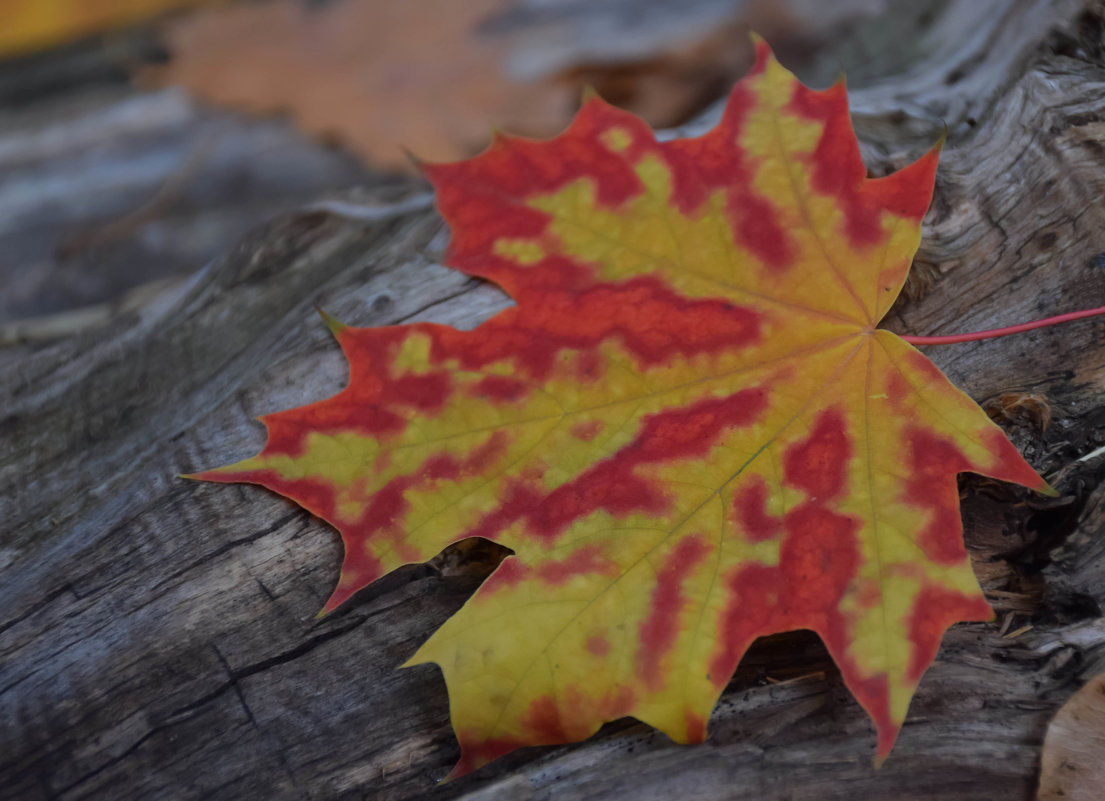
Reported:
(498, 136)
(333, 323)
(943, 138)
(416, 161)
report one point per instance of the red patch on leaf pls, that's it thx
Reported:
(587, 430)
(818, 560)
(659, 630)
(612, 484)
(696, 727)
(376, 402)
(598, 645)
(750, 609)
(476, 751)
(509, 573)
(588, 560)
(712, 161)
(750, 511)
(918, 362)
(388, 505)
(500, 389)
(617, 704)
(1008, 464)
(838, 169)
(650, 320)
(932, 463)
(819, 464)
(534, 472)
(589, 366)
(475, 196)
(934, 610)
(897, 388)
(542, 722)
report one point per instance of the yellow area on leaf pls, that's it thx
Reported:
(616, 139)
(524, 251)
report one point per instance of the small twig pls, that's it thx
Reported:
(1017, 632)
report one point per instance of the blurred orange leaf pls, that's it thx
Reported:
(1072, 767)
(378, 75)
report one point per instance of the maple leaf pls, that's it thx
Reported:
(689, 429)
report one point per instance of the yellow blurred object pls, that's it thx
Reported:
(29, 25)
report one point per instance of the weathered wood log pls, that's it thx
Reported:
(157, 637)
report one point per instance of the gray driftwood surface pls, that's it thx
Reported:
(157, 636)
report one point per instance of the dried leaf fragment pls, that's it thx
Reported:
(1073, 761)
(377, 75)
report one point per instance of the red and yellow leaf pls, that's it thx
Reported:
(689, 430)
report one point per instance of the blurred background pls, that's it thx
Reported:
(139, 139)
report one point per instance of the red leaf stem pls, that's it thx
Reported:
(993, 333)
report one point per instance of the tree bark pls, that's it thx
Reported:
(157, 636)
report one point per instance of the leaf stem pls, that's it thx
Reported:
(993, 333)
